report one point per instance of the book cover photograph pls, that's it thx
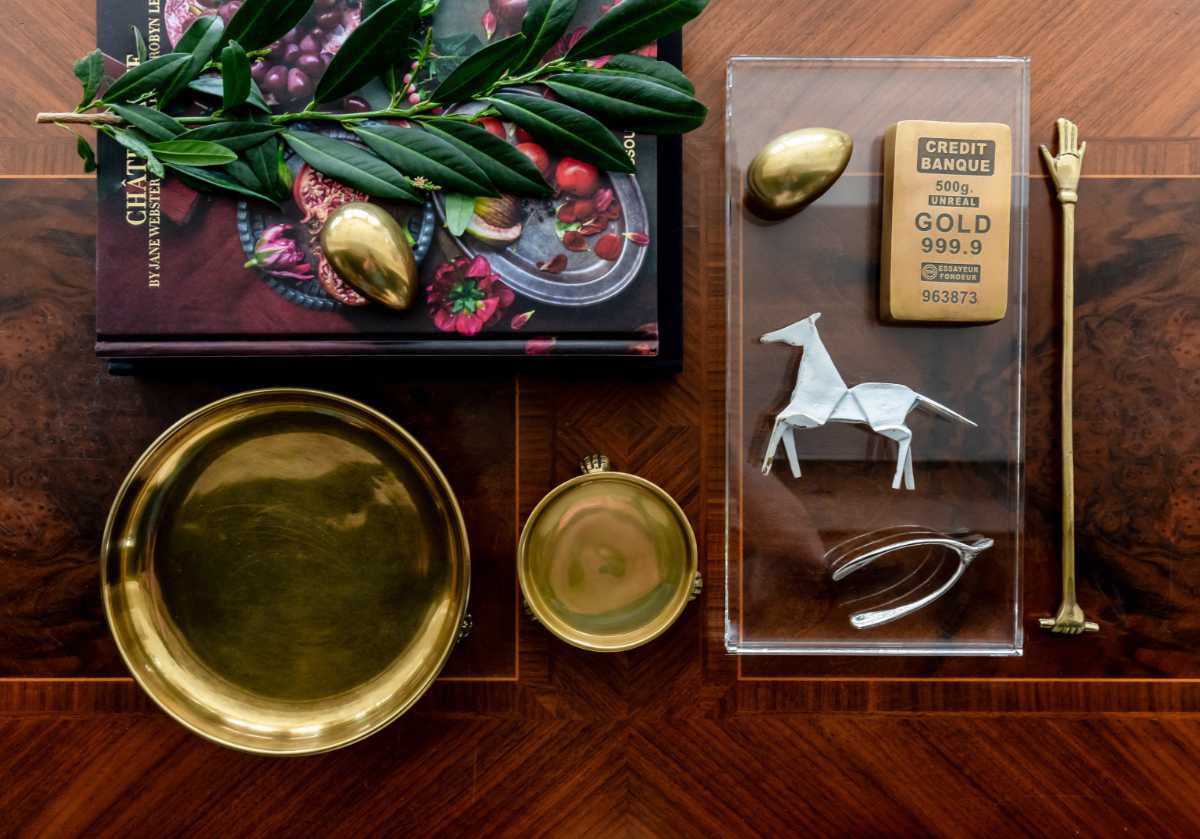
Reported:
(590, 269)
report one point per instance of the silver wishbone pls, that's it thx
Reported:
(856, 553)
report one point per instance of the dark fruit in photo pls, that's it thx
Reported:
(594, 226)
(275, 80)
(509, 13)
(574, 211)
(608, 247)
(312, 65)
(299, 85)
(554, 265)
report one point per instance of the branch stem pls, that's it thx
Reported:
(276, 119)
(382, 113)
(80, 119)
(105, 118)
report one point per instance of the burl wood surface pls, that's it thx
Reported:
(1095, 735)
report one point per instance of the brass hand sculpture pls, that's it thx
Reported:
(1064, 169)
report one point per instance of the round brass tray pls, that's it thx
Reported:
(285, 571)
(607, 560)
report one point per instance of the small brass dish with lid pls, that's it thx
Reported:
(607, 560)
(285, 571)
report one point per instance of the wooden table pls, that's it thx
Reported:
(528, 736)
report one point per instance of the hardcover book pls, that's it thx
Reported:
(593, 270)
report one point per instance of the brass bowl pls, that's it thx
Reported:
(607, 561)
(285, 571)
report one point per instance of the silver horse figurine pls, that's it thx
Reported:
(821, 396)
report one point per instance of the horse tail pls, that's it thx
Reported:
(939, 408)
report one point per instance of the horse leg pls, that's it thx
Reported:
(772, 445)
(903, 458)
(903, 438)
(909, 481)
(789, 443)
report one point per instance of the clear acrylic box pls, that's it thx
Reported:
(836, 562)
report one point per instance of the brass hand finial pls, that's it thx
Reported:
(1064, 169)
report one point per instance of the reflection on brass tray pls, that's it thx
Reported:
(285, 571)
(921, 586)
(607, 561)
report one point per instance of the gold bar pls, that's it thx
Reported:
(947, 203)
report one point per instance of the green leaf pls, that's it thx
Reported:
(235, 75)
(479, 71)
(545, 22)
(209, 179)
(200, 43)
(233, 135)
(459, 209)
(84, 148)
(352, 165)
(215, 86)
(154, 124)
(639, 65)
(138, 146)
(139, 45)
(90, 72)
(260, 23)
(417, 152)
(447, 54)
(369, 50)
(634, 24)
(144, 79)
(630, 102)
(262, 160)
(193, 153)
(244, 174)
(284, 171)
(564, 129)
(509, 170)
(197, 32)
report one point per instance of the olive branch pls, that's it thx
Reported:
(229, 138)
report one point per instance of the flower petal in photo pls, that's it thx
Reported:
(278, 253)
(466, 296)
(539, 346)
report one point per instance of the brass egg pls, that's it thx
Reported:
(368, 249)
(795, 169)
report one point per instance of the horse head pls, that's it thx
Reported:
(800, 333)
